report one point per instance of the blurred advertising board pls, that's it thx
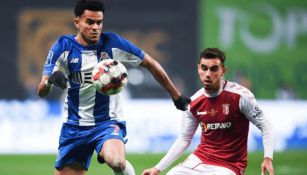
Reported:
(160, 30)
(33, 126)
(265, 43)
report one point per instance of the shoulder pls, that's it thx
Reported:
(238, 89)
(114, 40)
(64, 42)
(198, 94)
(111, 36)
(66, 39)
(197, 99)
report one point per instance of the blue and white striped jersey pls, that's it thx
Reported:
(83, 105)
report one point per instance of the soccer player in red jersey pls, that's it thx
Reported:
(224, 110)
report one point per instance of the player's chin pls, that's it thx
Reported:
(93, 40)
(207, 84)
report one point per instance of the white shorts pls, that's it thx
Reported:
(194, 166)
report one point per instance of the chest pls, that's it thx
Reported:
(217, 110)
(84, 61)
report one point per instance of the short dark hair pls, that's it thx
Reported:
(210, 53)
(93, 5)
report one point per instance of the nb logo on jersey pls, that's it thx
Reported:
(201, 112)
(74, 60)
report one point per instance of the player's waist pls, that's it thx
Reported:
(88, 120)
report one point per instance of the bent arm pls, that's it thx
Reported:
(160, 75)
(254, 113)
(188, 127)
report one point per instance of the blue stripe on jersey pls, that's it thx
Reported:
(84, 105)
(101, 111)
(73, 104)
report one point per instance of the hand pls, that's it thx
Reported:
(151, 171)
(267, 165)
(58, 79)
(182, 102)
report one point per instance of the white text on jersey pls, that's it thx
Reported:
(74, 60)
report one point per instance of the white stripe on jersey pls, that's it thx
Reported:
(115, 108)
(77, 63)
(87, 92)
(125, 57)
(61, 63)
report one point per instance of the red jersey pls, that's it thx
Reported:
(224, 117)
(224, 125)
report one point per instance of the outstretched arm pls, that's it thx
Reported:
(161, 76)
(188, 128)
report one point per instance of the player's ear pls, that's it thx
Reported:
(76, 21)
(224, 69)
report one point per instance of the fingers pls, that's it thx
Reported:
(58, 79)
(269, 170)
(151, 171)
(262, 170)
(146, 172)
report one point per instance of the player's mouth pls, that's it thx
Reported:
(95, 34)
(208, 82)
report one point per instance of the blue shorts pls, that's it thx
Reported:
(77, 143)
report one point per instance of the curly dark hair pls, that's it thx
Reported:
(210, 53)
(93, 5)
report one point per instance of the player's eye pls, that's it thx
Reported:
(214, 68)
(90, 22)
(99, 22)
(203, 67)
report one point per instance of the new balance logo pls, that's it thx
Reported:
(201, 113)
(74, 60)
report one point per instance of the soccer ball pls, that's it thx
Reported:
(109, 77)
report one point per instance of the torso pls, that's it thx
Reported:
(83, 105)
(224, 128)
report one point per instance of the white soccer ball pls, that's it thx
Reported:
(109, 77)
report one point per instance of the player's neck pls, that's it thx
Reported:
(81, 40)
(215, 92)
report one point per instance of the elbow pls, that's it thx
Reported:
(186, 139)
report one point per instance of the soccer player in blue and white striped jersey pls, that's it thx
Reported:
(92, 121)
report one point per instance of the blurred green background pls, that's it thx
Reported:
(265, 43)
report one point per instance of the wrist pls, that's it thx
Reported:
(48, 84)
(156, 170)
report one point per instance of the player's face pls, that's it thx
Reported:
(211, 72)
(89, 26)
